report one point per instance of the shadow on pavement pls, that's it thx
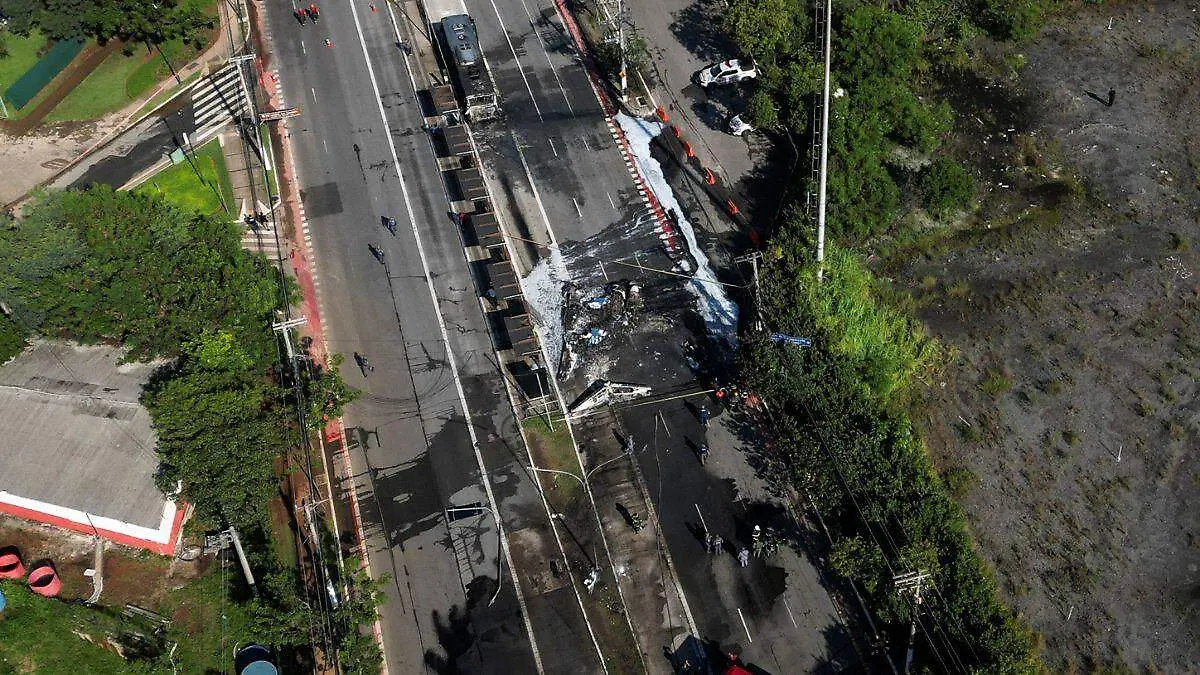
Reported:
(698, 28)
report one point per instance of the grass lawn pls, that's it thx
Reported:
(205, 626)
(36, 633)
(22, 54)
(122, 79)
(166, 94)
(554, 450)
(180, 184)
(264, 137)
(102, 92)
(36, 636)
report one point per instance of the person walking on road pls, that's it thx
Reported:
(377, 252)
(363, 364)
(744, 557)
(703, 452)
(703, 415)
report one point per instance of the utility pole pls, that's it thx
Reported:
(828, 29)
(911, 582)
(753, 258)
(237, 546)
(621, 40)
(284, 327)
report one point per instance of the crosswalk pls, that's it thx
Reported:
(217, 98)
(262, 237)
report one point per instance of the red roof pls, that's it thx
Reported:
(735, 669)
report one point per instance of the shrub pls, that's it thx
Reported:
(1017, 20)
(12, 338)
(946, 186)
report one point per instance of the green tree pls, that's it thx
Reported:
(12, 338)
(946, 186)
(357, 649)
(133, 21)
(860, 560)
(327, 393)
(1018, 20)
(772, 31)
(637, 56)
(32, 251)
(219, 433)
(150, 275)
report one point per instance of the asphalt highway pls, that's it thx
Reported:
(551, 155)
(434, 419)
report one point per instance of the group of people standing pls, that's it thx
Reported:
(716, 546)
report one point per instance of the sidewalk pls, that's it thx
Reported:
(250, 195)
(642, 565)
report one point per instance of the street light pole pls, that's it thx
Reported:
(621, 46)
(583, 481)
(499, 543)
(824, 146)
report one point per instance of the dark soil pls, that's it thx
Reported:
(1070, 301)
(130, 576)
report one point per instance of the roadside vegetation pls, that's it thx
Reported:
(131, 21)
(844, 409)
(199, 184)
(166, 283)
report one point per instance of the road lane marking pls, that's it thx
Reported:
(513, 49)
(551, 142)
(553, 70)
(314, 93)
(577, 209)
(747, 628)
(450, 360)
(789, 611)
(585, 145)
(610, 200)
(533, 188)
(303, 48)
(325, 145)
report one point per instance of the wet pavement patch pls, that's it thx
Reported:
(322, 200)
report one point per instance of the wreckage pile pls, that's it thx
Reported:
(592, 316)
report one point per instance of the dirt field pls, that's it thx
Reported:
(129, 576)
(1067, 419)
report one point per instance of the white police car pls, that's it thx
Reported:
(727, 72)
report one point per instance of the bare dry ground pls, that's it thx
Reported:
(1068, 418)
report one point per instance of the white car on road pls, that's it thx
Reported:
(727, 72)
(739, 126)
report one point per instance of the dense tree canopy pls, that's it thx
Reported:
(218, 434)
(841, 436)
(129, 20)
(131, 269)
(100, 265)
(840, 428)
(883, 58)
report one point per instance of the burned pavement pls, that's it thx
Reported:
(640, 329)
